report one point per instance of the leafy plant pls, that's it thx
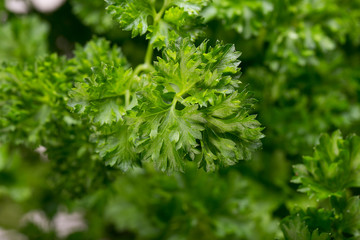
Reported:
(328, 175)
(187, 105)
(23, 39)
(142, 131)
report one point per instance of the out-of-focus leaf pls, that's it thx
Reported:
(23, 39)
(332, 169)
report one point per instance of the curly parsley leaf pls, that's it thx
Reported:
(31, 98)
(347, 215)
(193, 109)
(332, 169)
(116, 147)
(23, 39)
(295, 228)
(174, 19)
(102, 96)
(166, 136)
(131, 14)
(94, 53)
(102, 83)
(175, 22)
(189, 107)
(102, 78)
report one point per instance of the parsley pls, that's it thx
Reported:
(187, 106)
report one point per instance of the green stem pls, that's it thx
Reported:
(159, 15)
(142, 67)
(173, 103)
(157, 18)
(127, 98)
(147, 65)
(149, 55)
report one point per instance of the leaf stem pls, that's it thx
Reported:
(159, 15)
(157, 18)
(149, 54)
(173, 103)
(142, 67)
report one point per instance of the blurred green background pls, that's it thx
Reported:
(301, 61)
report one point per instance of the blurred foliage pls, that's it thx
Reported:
(23, 38)
(328, 176)
(333, 168)
(192, 205)
(300, 59)
(300, 46)
(30, 98)
(93, 14)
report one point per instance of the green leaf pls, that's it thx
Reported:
(96, 52)
(175, 23)
(102, 97)
(231, 134)
(347, 215)
(117, 148)
(295, 228)
(131, 14)
(193, 110)
(23, 39)
(191, 6)
(175, 19)
(189, 107)
(31, 100)
(332, 169)
(168, 136)
(102, 81)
